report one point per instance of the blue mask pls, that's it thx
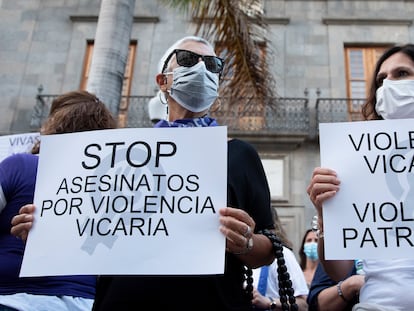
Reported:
(311, 250)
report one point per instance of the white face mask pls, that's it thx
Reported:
(395, 99)
(195, 88)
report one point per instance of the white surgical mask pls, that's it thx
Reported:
(395, 99)
(195, 88)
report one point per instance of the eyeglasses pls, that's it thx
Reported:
(188, 59)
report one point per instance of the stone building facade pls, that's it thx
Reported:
(319, 49)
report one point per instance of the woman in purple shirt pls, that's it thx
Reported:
(71, 112)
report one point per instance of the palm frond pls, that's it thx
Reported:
(239, 30)
(184, 5)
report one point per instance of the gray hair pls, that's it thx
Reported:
(177, 44)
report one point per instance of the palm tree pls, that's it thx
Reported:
(237, 26)
(110, 53)
(239, 29)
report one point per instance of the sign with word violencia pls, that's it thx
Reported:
(129, 201)
(372, 214)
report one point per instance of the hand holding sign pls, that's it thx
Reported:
(375, 203)
(115, 193)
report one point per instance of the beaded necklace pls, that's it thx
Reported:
(286, 292)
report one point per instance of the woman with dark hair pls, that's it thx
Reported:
(405, 52)
(386, 281)
(308, 253)
(70, 112)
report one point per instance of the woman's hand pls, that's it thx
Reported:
(238, 227)
(23, 222)
(324, 185)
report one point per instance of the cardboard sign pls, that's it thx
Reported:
(129, 201)
(17, 143)
(372, 215)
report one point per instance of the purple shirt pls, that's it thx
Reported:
(17, 182)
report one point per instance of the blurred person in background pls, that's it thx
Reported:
(308, 253)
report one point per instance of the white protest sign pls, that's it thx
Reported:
(129, 201)
(372, 215)
(17, 143)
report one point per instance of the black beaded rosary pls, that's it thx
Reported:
(286, 292)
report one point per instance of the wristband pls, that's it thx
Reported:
(340, 293)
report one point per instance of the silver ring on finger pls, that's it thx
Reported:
(248, 232)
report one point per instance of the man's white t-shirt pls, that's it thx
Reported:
(296, 275)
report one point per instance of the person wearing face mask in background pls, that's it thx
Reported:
(308, 254)
(156, 109)
(188, 77)
(326, 294)
(391, 96)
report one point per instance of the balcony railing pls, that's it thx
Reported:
(284, 116)
(287, 116)
(338, 109)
